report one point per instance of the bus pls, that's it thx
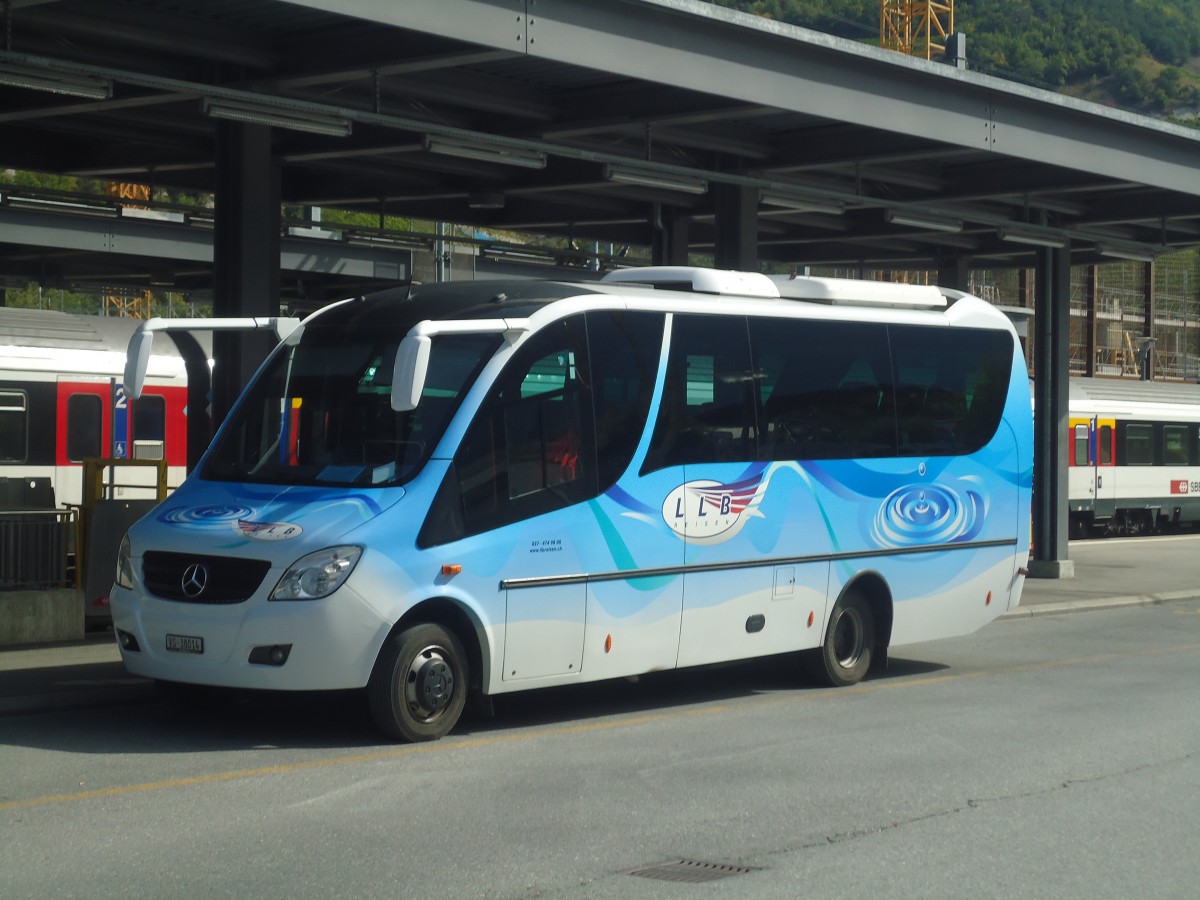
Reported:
(474, 489)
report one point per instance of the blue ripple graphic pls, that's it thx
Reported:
(918, 514)
(220, 514)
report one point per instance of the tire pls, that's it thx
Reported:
(845, 655)
(419, 686)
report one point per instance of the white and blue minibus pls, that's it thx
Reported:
(471, 488)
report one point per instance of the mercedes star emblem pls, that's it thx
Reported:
(195, 580)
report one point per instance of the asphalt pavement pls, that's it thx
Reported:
(1108, 574)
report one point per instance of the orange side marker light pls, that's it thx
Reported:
(608, 643)
(451, 569)
(811, 617)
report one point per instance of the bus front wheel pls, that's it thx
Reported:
(419, 686)
(845, 655)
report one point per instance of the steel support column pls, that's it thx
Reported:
(1052, 323)
(737, 227)
(954, 273)
(669, 238)
(1089, 338)
(245, 254)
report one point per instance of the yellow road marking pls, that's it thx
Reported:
(452, 745)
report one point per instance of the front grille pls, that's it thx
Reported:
(208, 579)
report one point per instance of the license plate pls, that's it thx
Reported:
(185, 643)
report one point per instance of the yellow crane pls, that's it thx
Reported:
(916, 27)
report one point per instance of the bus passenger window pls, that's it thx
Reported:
(14, 417)
(541, 432)
(708, 412)
(84, 421)
(826, 388)
(624, 367)
(951, 384)
(530, 448)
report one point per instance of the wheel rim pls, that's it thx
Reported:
(849, 638)
(429, 684)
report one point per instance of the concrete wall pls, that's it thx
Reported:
(36, 617)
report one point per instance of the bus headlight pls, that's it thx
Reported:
(318, 574)
(124, 564)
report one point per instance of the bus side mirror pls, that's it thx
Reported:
(408, 378)
(137, 360)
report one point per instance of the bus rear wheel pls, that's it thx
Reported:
(419, 686)
(845, 655)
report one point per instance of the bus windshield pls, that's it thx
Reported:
(320, 412)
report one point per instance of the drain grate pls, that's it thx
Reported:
(689, 870)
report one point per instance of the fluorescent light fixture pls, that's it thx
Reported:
(1123, 251)
(1034, 238)
(485, 200)
(39, 79)
(928, 221)
(684, 184)
(802, 202)
(276, 117)
(508, 156)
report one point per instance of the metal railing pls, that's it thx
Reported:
(34, 549)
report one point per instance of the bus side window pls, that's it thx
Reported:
(951, 384)
(531, 446)
(708, 411)
(624, 358)
(827, 389)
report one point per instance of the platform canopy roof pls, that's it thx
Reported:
(596, 121)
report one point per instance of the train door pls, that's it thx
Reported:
(1105, 466)
(83, 430)
(1081, 473)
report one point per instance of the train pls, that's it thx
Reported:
(1133, 459)
(62, 401)
(1133, 446)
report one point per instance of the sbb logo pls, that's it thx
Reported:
(1179, 486)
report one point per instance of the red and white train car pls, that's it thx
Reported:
(62, 401)
(1134, 455)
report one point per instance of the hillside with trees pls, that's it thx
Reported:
(1142, 56)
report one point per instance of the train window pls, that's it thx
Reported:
(149, 418)
(1139, 445)
(149, 427)
(1175, 445)
(84, 417)
(1079, 454)
(14, 418)
(1104, 445)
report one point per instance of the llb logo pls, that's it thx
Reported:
(709, 512)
